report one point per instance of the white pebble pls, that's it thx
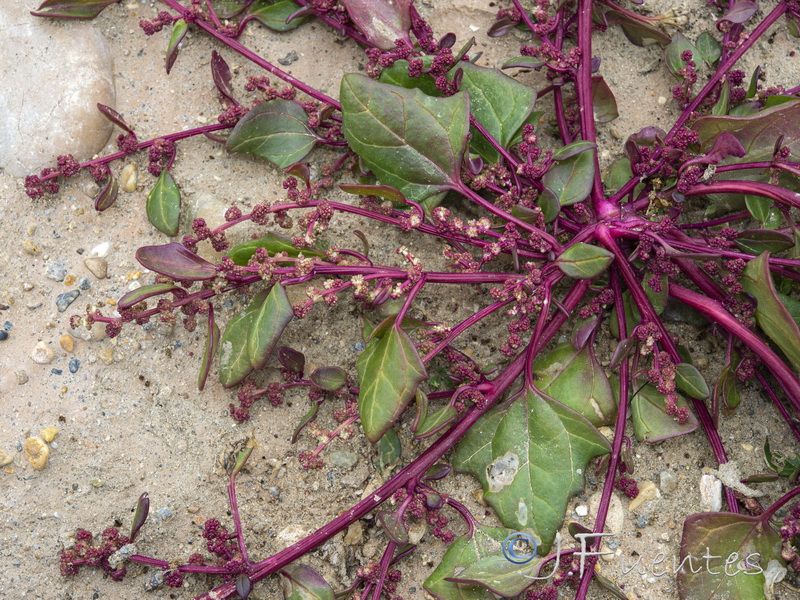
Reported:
(710, 493)
(42, 354)
(581, 510)
(102, 250)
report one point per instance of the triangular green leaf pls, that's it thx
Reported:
(164, 204)
(267, 325)
(234, 359)
(571, 179)
(651, 423)
(583, 261)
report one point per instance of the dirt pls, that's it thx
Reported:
(130, 419)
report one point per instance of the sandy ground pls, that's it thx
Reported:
(130, 418)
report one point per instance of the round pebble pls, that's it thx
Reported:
(48, 434)
(97, 265)
(42, 354)
(84, 284)
(5, 458)
(128, 178)
(3, 335)
(74, 365)
(106, 355)
(102, 250)
(64, 300)
(56, 270)
(37, 452)
(22, 377)
(67, 342)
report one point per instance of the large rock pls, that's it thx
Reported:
(54, 74)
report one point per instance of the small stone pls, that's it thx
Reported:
(701, 362)
(662, 100)
(120, 556)
(67, 342)
(3, 335)
(647, 491)
(64, 300)
(106, 355)
(155, 581)
(56, 270)
(342, 459)
(37, 451)
(84, 284)
(98, 266)
(133, 275)
(667, 481)
(22, 377)
(162, 514)
(48, 434)
(27, 286)
(74, 365)
(28, 247)
(354, 535)
(5, 458)
(42, 354)
(710, 493)
(102, 250)
(581, 510)
(288, 59)
(70, 279)
(97, 332)
(417, 531)
(98, 483)
(292, 533)
(642, 521)
(615, 518)
(128, 177)
(615, 133)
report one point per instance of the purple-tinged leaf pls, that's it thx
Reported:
(741, 11)
(221, 73)
(176, 261)
(605, 105)
(649, 136)
(574, 528)
(243, 455)
(637, 32)
(436, 421)
(301, 171)
(501, 27)
(583, 261)
(752, 89)
(113, 116)
(529, 215)
(572, 149)
(267, 325)
(164, 204)
(673, 54)
(234, 359)
(386, 192)
(390, 370)
(329, 379)
(448, 40)
(304, 583)
(651, 423)
(292, 359)
(572, 178)
(433, 500)
(725, 389)
(421, 402)
(623, 350)
(792, 25)
(381, 21)
(583, 333)
(179, 30)
(474, 165)
(243, 586)
(389, 450)
(709, 48)
(771, 315)
(276, 130)
(756, 241)
(281, 15)
(549, 205)
(393, 526)
(72, 9)
(309, 417)
(657, 299)
(139, 515)
(523, 62)
(148, 291)
(725, 145)
(740, 548)
(437, 472)
(108, 195)
(607, 584)
(228, 9)
(210, 351)
(689, 380)
(273, 243)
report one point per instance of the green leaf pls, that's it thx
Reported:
(389, 370)
(72, 9)
(726, 388)
(783, 466)
(530, 458)
(411, 141)
(758, 206)
(329, 379)
(709, 48)
(771, 315)
(274, 14)
(267, 325)
(381, 191)
(576, 379)
(605, 105)
(389, 450)
(657, 299)
(304, 583)
(672, 53)
(651, 423)
(632, 316)
(792, 305)
(571, 179)
(148, 291)
(435, 421)
(393, 526)
(500, 575)
(212, 343)
(234, 359)
(756, 241)
(274, 244)
(485, 541)
(549, 205)
(572, 149)
(583, 261)
(721, 107)
(179, 30)
(720, 536)
(689, 380)
(164, 204)
(227, 9)
(276, 130)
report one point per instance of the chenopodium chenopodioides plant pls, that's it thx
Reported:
(434, 144)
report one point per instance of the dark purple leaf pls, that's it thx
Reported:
(243, 586)
(501, 27)
(448, 40)
(474, 165)
(309, 417)
(108, 195)
(301, 171)
(221, 73)
(329, 379)
(756, 241)
(381, 191)
(212, 343)
(291, 359)
(174, 260)
(437, 472)
(623, 350)
(179, 30)
(139, 515)
(72, 9)
(304, 583)
(113, 116)
(523, 62)
(148, 291)
(393, 527)
(595, 64)
(433, 500)
(638, 32)
(725, 145)
(381, 21)
(741, 11)
(583, 333)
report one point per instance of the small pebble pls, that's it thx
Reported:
(5, 458)
(56, 270)
(48, 434)
(710, 493)
(22, 377)
(3, 335)
(106, 355)
(37, 451)
(74, 365)
(42, 354)
(84, 284)
(128, 177)
(67, 342)
(581, 510)
(27, 286)
(288, 59)
(64, 300)
(56, 371)
(342, 459)
(642, 521)
(98, 266)
(662, 100)
(354, 535)
(70, 279)
(701, 362)
(162, 514)
(668, 481)
(102, 250)
(647, 491)
(28, 247)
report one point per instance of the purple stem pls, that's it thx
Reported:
(714, 223)
(383, 568)
(784, 413)
(237, 522)
(767, 514)
(463, 326)
(755, 188)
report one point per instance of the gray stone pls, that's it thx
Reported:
(642, 521)
(710, 493)
(74, 365)
(56, 270)
(84, 284)
(667, 481)
(54, 74)
(342, 459)
(288, 59)
(64, 300)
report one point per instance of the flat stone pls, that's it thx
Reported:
(710, 493)
(667, 481)
(342, 459)
(56, 270)
(54, 74)
(98, 266)
(64, 300)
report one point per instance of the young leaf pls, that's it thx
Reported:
(571, 179)
(267, 325)
(721, 107)
(676, 48)
(783, 466)
(139, 515)
(381, 21)
(164, 204)
(771, 315)
(390, 371)
(179, 30)
(740, 12)
(576, 379)
(709, 48)
(212, 343)
(274, 14)
(393, 526)
(304, 583)
(309, 417)
(221, 73)
(530, 457)
(583, 261)
(108, 195)
(638, 32)
(411, 141)
(721, 536)
(113, 116)
(572, 149)
(651, 423)
(605, 105)
(657, 299)
(756, 241)
(276, 130)
(726, 389)
(72, 9)
(274, 243)
(381, 191)
(329, 379)
(758, 206)
(234, 360)
(435, 421)
(174, 260)
(388, 450)
(148, 291)
(689, 380)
